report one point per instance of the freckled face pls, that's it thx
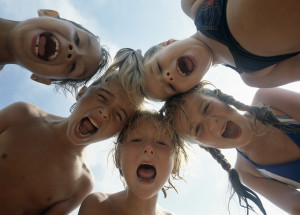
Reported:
(176, 68)
(100, 113)
(213, 123)
(146, 160)
(54, 48)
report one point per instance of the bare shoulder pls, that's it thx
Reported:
(24, 108)
(95, 203)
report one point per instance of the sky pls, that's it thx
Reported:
(136, 24)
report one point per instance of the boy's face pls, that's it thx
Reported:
(55, 49)
(212, 122)
(147, 160)
(176, 68)
(99, 113)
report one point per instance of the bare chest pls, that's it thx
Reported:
(35, 170)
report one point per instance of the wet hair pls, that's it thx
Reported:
(130, 64)
(164, 128)
(72, 85)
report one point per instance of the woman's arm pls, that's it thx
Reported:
(285, 197)
(282, 102)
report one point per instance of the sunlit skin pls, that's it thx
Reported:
(77, 55)
(205, 119)
(109, 107)
(163, 76)
(43, 168)
(142, 145)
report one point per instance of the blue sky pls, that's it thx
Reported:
(137, 24)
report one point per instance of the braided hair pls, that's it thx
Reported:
(243, 192)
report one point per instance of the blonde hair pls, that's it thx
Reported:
(130, 64)
(164, 128)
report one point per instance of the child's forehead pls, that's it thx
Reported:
(146, 125)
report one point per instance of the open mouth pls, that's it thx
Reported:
(46, 46)
(146, 172)
(86, 127)
(185, 65)
(231, 130)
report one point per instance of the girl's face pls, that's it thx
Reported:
(212, 122)
(176, 68)
(55, 49)
(147, 160)
(99, 113)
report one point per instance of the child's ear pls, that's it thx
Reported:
(51, 13)
(81, 92)
(40, 79)
(168, 42)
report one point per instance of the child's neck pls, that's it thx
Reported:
(6, 27)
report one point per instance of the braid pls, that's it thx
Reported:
(243, 192)
(263, 114)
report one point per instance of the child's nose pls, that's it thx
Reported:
(104, 113)
(149, 149)
(71, 53)
(169, 78)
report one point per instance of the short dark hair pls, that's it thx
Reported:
(72, 85)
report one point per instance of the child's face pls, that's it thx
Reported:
(176, 68)
(212, 122)
(146, 160)
(99, 113)
(55, 49)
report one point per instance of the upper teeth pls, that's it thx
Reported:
(56, 47)
(93, 122)
(224, 128)
(147, 164)
(183, 74)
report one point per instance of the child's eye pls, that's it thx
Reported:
(76, 39)
(206, 108)
(159, 67)
(197, 130)
(136, 140)
(161, 143)
(102, 97)
(73, 67)
(119, 116)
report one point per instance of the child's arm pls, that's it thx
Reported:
(92, 205)
(279, 194)
(190, 7)
(282, 102)
(284, 72)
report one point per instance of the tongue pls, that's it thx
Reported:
(86, 127)
(41, 45)
(186, 65)
(231, 131)
(146, 173)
